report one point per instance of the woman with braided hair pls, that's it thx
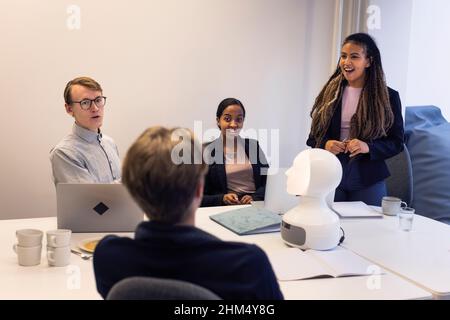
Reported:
(358, 118)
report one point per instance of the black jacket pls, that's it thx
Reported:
(216, 178)
(232, 270)
(372, 165)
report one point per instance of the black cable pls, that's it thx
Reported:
(343, 236)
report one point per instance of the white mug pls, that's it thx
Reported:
(29, 237)
(58, 257)
(391, 205)
(58, 238)
(28, 256)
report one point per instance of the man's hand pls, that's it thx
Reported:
(335, 147)
(231, 198)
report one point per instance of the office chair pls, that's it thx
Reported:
(400, 183)
(148, 288)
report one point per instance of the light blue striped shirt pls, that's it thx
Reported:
(84, 156)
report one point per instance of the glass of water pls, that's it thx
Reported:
(405, 218)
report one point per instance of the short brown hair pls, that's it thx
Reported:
(162, 187)
(82, 81)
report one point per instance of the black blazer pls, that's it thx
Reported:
(373, 167)
(216, 178)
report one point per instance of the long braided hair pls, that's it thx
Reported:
(374, 116)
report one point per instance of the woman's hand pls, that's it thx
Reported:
(231, 198)
(335, 147)
(356, 147)
(247, 199)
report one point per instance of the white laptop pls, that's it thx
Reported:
(276, 198)
(87, 207)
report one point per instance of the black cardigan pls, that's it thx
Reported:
(216, 178)
(373, 166)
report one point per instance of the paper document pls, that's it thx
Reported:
(355, 209)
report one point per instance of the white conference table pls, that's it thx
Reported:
(77, 280)
(422, 255)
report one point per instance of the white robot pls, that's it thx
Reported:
(312, 224)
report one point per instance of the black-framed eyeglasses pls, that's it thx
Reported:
(86, 104)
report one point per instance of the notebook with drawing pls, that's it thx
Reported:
(355, 209)
(89, 207)
(294, 264)
(248, 220)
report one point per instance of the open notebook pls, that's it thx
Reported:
(295, 264)
(249, 220)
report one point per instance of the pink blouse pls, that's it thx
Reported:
(350, 101)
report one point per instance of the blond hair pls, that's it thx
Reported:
(163, 188)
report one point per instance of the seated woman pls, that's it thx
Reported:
(237, 166)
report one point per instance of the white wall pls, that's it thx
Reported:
(160, 62)
(415, 49)
(393, 39)
(318, 24)
(429, 55)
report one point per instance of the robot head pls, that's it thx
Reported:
(315, 172)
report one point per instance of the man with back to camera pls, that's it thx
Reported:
(85, 155)
(169, 245)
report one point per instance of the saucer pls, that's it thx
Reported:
(89, 245)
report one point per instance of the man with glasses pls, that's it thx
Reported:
(85, 155)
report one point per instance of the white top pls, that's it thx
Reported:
(350, 101)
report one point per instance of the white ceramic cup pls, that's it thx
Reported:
(28, 256)
(58, 257)
(58, 238)
(29, 237)
(391, 205)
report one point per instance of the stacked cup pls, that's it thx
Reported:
(28, 246)
(58, 247)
